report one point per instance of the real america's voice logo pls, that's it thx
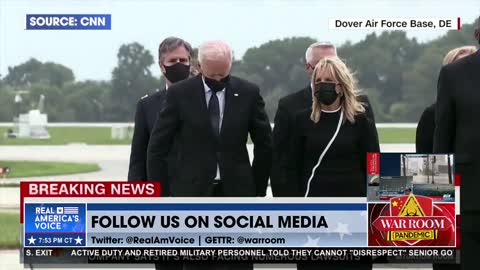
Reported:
(68, 22)
(412, 221)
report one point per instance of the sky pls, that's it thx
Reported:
(91, 54)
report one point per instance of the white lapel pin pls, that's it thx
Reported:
(235, 94)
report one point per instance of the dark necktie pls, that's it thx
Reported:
(214, 111)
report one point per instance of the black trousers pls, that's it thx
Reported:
(217, 191)
(469, 244)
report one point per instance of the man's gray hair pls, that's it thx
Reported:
(214, 50)
(172, 43)
(477, 23)
(322, 44)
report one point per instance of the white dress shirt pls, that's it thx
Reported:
(221, 104)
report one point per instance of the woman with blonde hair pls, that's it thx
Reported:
(426, 124)
(331, 140)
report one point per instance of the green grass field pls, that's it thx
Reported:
(41, 168)
(396, 135)
(66, 135)
(101, 135)
(9, 230)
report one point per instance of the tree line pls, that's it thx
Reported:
(398, 73)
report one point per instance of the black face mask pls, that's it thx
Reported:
(325, 92)
(217, 85)
(177, 72)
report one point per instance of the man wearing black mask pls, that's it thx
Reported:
(174, 58)
(457, 131)
(210, 116)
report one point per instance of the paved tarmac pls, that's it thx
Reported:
(113, 161)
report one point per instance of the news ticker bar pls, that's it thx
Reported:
(83, 214)
(198, 224)
(195, 224)
(258, 255)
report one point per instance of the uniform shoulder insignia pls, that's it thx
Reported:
(144, 96)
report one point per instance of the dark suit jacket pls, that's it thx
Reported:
(425, 129)
(288, 107)
(457, 126)
(185, 118)
(145, 117)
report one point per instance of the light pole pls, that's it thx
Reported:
(434, 160)
(449, 167)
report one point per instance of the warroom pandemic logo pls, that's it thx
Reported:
(412, 221)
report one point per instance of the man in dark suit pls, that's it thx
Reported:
(457, 131)
(211, 116)
(288, 106)
(174, 57)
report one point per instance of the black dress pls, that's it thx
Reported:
(342, 172)
(425, 130)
